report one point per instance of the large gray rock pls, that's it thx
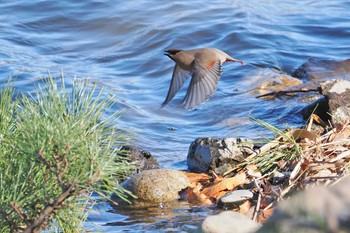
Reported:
(217, 154)
(229, 222)
(338, 94)
(320, 209)
(324, 69)
(158, 185)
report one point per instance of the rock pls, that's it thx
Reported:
(334, 105)
(235, 198)
(229, 222)
(338, 94)
(217, 154)
(323, 69)
(278, 177)
(277, 81)
(158, 185)
(319, 107)
(142, 160)
(319, 209)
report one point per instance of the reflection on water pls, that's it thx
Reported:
(164, 218)
(120, 44)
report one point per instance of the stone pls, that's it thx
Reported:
(229, 222)
(319, 209)
(279, 177)
(319, 107)
(323, 69)
(235, 198)
(142, 160)
(158, 185)
(277, 81)
(217, 154)
(338, 95)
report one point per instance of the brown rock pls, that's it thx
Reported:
(324, 69)
(158, 185)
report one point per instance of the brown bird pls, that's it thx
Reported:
(204, 65)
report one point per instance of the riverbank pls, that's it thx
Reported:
(295, 160)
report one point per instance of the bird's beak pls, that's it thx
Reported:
(167, 53)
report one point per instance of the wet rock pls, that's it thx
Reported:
(323, 69)
(338, 95)
(235, 198)
(319, 209)
(319, 107)
(229, 222)
(217, 154)
(277, 81)
(158, 185)
(142, 160)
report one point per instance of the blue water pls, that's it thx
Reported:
(120, 44)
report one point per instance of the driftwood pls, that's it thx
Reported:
(274, 94)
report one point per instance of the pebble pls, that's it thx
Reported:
(235, 198)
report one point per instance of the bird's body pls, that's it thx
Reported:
(204, 66)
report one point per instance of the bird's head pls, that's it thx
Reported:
(171, 53)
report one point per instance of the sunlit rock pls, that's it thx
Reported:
(158, 185)
(217, 154)
(229, 222)
(338, 96)
(275, 81)
(235, 198)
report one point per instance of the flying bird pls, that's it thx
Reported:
(204, 66)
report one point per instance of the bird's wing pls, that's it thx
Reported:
(203, 83)
(178, 79)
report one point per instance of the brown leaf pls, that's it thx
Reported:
(226, 184)
(245, 207)
(195, 196)
(265, 215)
(301, 134)
(319, 120)
(218, 179)
(196, 177)
(220, 194)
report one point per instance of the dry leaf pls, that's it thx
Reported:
(195, 196)
(341, 156)
(220, 194)
(301, 134)
(196, 177)
(265, 215)
(245, 207)
(226, 184)
(319, 120)
(253, 171)
(218, 179)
